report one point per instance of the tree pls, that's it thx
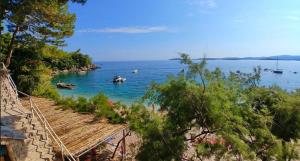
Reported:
(224, 116)
(27, 69)
(81, 59)
(36, 22)
(4, 40)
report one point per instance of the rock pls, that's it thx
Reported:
(75, 69)
(93, 66)
(84, 68)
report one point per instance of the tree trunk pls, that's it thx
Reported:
(11, 47)
(0, 39)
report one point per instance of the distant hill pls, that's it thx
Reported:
(279, 57)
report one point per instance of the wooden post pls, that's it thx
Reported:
(32, 114)
(122, 142)
(124, 146)
(62, 154)
(44, 123)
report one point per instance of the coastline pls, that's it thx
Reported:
(75, 70)
(134, 87)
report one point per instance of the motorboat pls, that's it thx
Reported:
(65, 85)
(118, 79)
(135, 71)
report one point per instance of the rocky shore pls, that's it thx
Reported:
(76, 69)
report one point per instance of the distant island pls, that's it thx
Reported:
(279, 57)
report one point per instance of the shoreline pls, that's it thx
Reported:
(75, 70)
(114, 99)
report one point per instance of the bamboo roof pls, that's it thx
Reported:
(78, 132)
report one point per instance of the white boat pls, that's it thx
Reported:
(135, 71)
(118, 79)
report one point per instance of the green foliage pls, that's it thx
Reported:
(55, 58)
(98, 105)
(46, 21)
(31, 68)
(286, 124)
(157, 145)
(249, 122)
(36, 23)
(83, 105)
(80, 59)
(101, 106)
(27, 69)
(67, 102)
(59, 60)
(4, 41)
(30, 26)
(44, 87)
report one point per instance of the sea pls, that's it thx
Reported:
(133, 89)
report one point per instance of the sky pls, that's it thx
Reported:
(121, 30)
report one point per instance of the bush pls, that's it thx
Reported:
(44, 87)
(102, 108)
(98, 105)
(67, 102)
(83, 105)
(4, 40)
(28, 70)
(47, 91)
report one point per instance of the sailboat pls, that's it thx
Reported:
(277, 71)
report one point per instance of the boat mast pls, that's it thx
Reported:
(277, 64)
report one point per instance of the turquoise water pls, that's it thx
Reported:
(135, 85)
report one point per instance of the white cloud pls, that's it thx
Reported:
(128, 30)
(293, 18)
(203, 3)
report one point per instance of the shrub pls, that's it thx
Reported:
(44, 87)
(67, 102)
(103, 109)
(83, 105)
(26, 69)
(98, 105)
(47, 91)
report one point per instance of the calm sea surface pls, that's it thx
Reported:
(134, 87)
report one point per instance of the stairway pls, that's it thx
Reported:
(36, 145)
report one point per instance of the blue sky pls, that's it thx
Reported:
(159, 29)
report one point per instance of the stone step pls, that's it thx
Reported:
(48, 157)
(36, 142)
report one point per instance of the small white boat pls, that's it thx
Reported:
(135, 71)
(118, 79)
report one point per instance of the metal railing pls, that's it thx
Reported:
(11, 82)
(34, 110)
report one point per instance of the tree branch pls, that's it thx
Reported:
(204, 132)
(11, 46)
